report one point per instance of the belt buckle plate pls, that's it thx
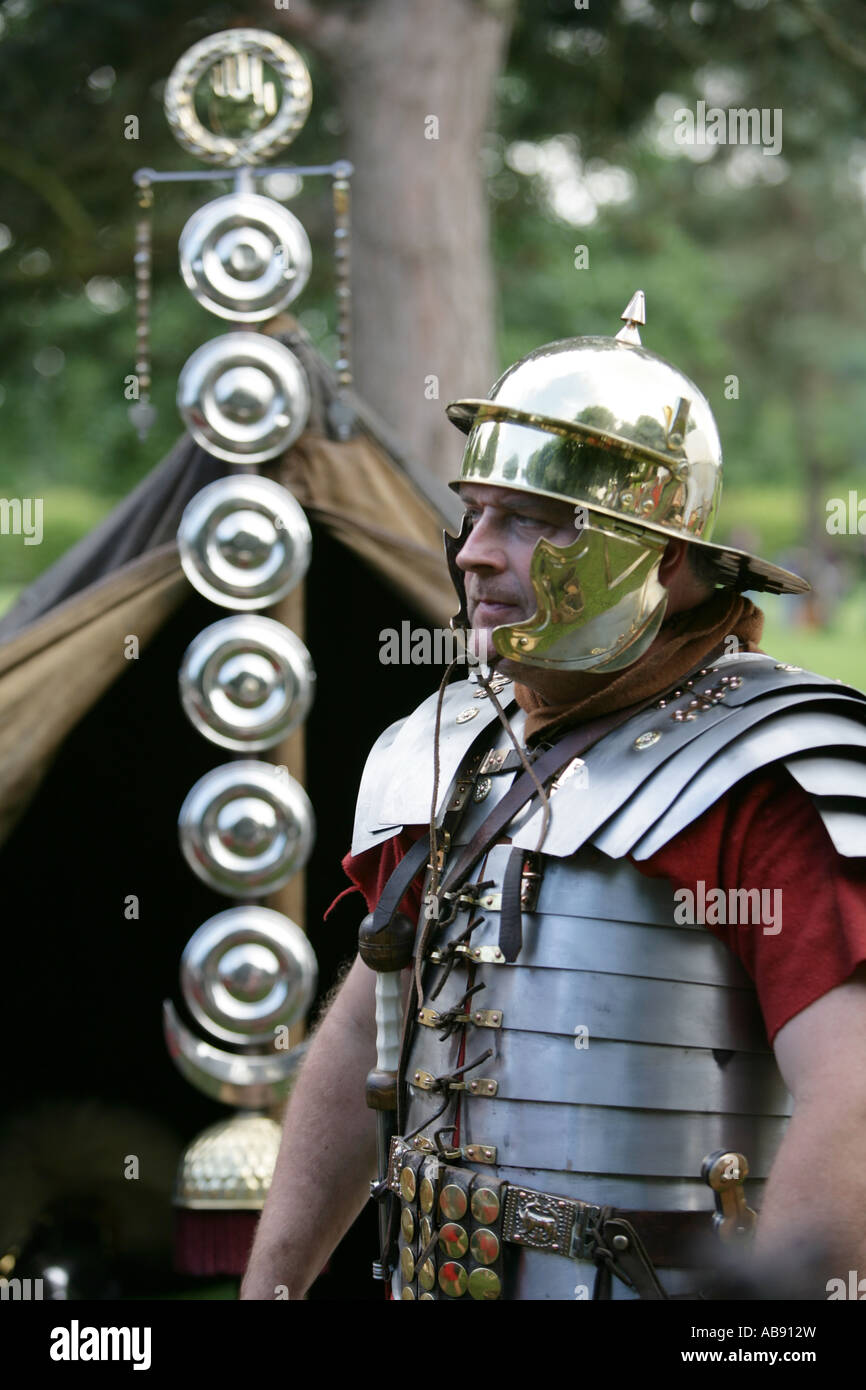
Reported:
(539, 1220)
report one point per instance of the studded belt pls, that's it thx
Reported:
(454, 1222)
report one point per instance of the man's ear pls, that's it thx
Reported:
(672, 561)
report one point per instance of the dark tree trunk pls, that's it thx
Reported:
(421, 268)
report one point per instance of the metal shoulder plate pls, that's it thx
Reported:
(655, 774)
(397, 782)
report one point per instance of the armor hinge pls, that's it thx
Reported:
(480, 1153)
(583, 1234)
(487, 1018)
(487, 955)
(482, 1086)
(443, 848)
(530, 882)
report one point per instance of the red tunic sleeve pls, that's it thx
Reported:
(766, 834)
(763, 834)
(371, 870)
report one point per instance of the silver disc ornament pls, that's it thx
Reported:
(244, 542)
(245, 120)
(244, 257)
(243, 397)
(246, 682)
(246, 828)
(246, 972)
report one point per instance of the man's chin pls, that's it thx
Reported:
(484, 653)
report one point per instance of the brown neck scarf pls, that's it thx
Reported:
(682, 643)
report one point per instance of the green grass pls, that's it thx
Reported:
(774, 516)
(838, 650)
(68, 514)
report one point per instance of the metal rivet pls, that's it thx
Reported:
(484, 1284)
(466, 714)
(484, 1246)
(453, 1279)
(454, 1240)
(648, 739)
(407, 1225)
(426, 1194)
(620, 1242)
(485, 1205)
(407, 1185)
(453, 1202)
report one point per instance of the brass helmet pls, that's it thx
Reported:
(632, 443)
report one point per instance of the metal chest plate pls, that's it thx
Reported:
(628, 1048)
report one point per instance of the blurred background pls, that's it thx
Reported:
(553, 128)
(518, 174)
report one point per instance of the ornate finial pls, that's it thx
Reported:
(633, 313)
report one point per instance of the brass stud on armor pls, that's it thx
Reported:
(407, 1265)
(484, 1246)
(426, 1231)
(651, 736)
(426, 1195)
(484, 1284)
(466, 714)
(454, 1240)
(485, 1205)
(453, 1202)
(429, 1296)
(453, 1279)
(407, 1184)
(407, 1224)
(427, 1275)
(407, 1293)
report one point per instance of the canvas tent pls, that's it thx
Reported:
(96, 757)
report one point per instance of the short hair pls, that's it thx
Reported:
(704, 565)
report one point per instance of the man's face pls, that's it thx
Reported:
(496, 555)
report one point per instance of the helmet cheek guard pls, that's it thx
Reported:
(614, 429)
(600, 602)
(453, 546)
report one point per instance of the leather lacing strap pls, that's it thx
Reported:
(456, 1017)
(510, 916)
(611, 1225)
(440, 1083)
(443, 1083)
(449, 950)
(604, 1259)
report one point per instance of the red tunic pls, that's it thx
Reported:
(764, 833)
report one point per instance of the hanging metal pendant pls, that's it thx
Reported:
(247, 972)
(244, 542)
(244, 397)
(230, 1077)
(246, 828)
(247, 123)
(244, 257)
(246, 682)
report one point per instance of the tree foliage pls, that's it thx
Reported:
(753, 264)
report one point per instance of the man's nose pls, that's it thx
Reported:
(482, 548)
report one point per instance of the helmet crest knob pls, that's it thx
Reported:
(634, 313)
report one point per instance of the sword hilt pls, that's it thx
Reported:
(726, 1171)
